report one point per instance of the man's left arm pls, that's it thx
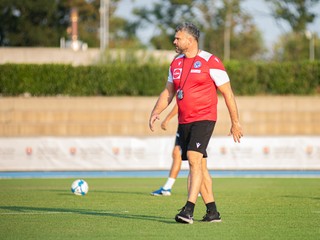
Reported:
(236, 129)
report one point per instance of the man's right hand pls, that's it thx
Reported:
(152, 119)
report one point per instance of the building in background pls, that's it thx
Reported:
(74, 43)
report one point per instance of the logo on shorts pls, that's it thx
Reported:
(198, 145)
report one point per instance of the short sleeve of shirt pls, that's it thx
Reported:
(170, 79)
(219, 76)
(217, 70)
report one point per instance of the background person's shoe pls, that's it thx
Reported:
(161, 192)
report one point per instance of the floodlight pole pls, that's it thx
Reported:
(310, 37)
(104, 25)
(311, 48)
(227, 34)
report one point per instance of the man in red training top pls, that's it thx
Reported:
(194, 77)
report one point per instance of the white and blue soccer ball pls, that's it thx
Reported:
(79, 187)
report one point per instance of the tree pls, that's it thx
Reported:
(298, 13)
(230, 32)
(294, 45)
(212, 21)
(24, 23)
(164, 16)
(43, 23)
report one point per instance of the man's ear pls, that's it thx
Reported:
(190, 39)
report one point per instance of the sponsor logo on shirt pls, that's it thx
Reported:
(195, 71)
(177, 73)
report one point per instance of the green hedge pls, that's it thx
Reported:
(248, 78)
(294, 78)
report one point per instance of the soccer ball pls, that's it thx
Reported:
(79, 187)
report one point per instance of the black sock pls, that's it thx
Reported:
(211, 207)
(190, 206)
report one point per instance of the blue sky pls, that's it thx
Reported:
(257, 8)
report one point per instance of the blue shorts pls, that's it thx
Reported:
(194, 136)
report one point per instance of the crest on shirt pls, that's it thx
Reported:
(197, 64)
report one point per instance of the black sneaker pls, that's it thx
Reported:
(211, 217)
(185, 216)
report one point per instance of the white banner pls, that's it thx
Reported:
(265, 153)
(131, 153)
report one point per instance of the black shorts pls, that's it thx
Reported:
(194, 137)
(176, 142)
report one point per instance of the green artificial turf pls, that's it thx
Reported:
(122, 208)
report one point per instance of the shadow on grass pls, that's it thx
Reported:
(66, 192)
(301, 197)
(125, 215)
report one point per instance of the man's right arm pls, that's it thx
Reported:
(164, 100)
